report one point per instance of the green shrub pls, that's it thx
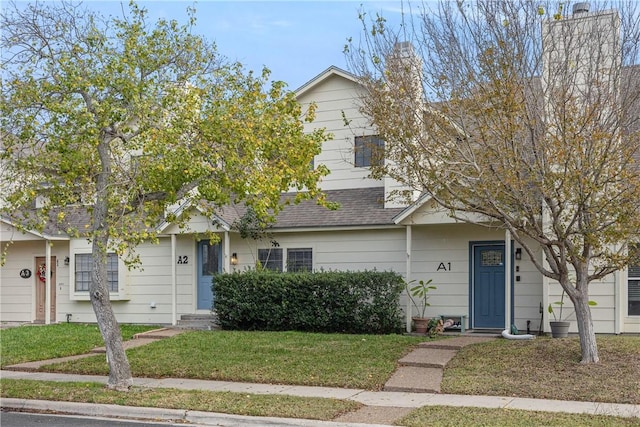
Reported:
(350, 302)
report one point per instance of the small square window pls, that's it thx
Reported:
(369, 151)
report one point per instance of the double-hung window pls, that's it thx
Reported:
(299, 260)
(84, 268)
(369, 151)
(633, 281)
(270, 259)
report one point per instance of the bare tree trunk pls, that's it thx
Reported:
(585, 329)
(119, 369)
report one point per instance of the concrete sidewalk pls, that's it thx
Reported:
(383, 399)
(416, 383)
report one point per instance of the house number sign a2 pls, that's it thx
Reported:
(183, 259)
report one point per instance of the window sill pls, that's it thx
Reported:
(84, 296)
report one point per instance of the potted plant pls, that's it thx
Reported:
(560, 326)
(419, 295)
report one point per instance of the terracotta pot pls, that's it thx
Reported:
(421, 324)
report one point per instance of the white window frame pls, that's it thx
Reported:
(111, 256)
(272, 249)
(84, 248)
(285, 255)
(300, 250)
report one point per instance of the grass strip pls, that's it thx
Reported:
(292, 406)
(41, 342)
(331, 360)
(444, 416)
(195, 400)
(547, 368)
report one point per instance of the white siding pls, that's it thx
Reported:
(449, 244)
(333, 97)
(149, 282)
(602, 292)
(17, 295)
(383, 250)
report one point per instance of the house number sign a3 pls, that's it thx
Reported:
(183, 259)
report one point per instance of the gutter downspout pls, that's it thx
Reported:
(47, 283)
(408, 276)
(174, 283)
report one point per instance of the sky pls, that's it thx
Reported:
(296, 40)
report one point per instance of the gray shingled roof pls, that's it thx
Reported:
(358, 207)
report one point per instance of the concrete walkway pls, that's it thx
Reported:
(414, 384)
(421, 370)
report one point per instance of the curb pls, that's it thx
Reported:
(169, 415)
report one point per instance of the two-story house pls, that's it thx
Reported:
(478, 271)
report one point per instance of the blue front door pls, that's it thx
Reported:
(209, 263)
(488, 286)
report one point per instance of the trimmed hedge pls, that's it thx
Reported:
(350, 302)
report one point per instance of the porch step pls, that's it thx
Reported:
(205, 322)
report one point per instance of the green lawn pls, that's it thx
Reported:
(39, 342)
(542, 368)
(439, 416)
(547, 368)
(332, 360)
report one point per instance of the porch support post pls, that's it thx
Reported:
(408, 276)
(47, 283)
(174, 282)
(618, 303)
(227, 254)
(507, 280)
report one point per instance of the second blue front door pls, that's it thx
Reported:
(209, 263)
(488, 287)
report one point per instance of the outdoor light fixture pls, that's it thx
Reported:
(518, 253)
(234, 258)
(66, 260)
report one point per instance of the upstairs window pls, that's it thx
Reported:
(84, 268)
(369, 151)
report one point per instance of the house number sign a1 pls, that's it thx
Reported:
(183, 259)
(444, 266)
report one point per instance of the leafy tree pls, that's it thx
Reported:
(519, 116)
(126, 119)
